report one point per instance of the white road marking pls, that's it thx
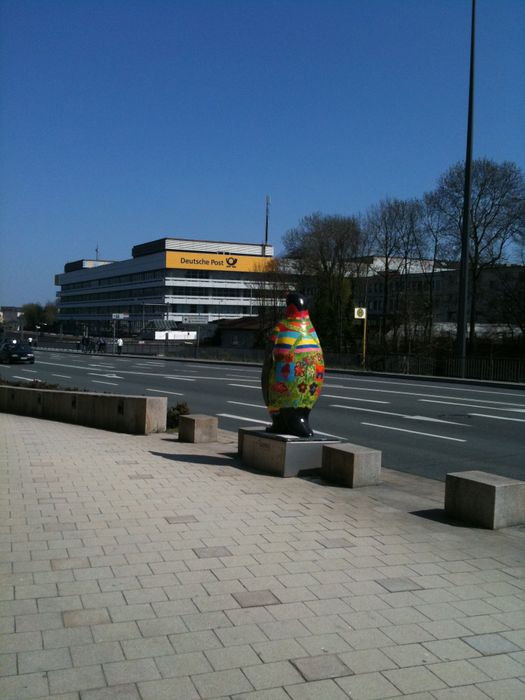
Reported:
(425, 386)
(248, 420)
(253, 405)
(415, 432)
(181, 379)
(107, 375)
(483, 415)
(351, 398)
(319, 432)
(162, 391)
(96, 381)
(27, 379)
(245, 386)
(471, 405)
(399, 415)
(64, 376)
(410, 393)
(33, 371)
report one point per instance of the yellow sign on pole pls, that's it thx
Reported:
(360, 313)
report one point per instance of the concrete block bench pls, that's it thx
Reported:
(489, 500)
(351, 465)
(198, 428)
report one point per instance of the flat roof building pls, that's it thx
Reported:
(176, 280)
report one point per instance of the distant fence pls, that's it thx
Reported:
(494, 369)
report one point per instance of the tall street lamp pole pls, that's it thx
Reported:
(461, 336)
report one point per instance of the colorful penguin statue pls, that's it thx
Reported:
(293, 371)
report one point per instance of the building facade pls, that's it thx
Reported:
(174, 280)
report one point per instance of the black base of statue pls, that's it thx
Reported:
(291, 421)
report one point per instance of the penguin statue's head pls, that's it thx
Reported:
(296, 305)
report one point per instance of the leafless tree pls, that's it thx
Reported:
(497, 216)
(323, 248)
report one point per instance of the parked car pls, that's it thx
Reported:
(15, 351)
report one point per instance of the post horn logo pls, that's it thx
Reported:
(231, 262)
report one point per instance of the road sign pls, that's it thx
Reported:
(189, 320)
(119, 317)
(360, 312)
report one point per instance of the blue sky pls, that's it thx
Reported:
(122, 121)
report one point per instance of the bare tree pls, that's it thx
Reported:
(322, 248)
(497, 216)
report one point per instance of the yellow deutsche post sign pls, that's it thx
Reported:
(216, 261)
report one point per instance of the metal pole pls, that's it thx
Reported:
(266, 222)
(461, 336)
(364, 344)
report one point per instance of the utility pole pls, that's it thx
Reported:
(268, 202)
(461, 339)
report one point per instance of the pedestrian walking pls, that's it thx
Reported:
(120, 344)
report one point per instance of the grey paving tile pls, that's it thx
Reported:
(368, 686)
(317, 668)
(123, 672)
(414, 680)
(209, 552)
(488, 644)
(398, 584)
(248, 599)
(43, 660)
(317, 690)
(28, 685)
(76, 679)
(188, 664)
(168, 689)
(272, 675)
(117, 692)
(232, 657)
(213, 685)
(509, 689)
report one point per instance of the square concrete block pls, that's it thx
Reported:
(198, 428)
(485, 499)
(282, 455)
(351, 465)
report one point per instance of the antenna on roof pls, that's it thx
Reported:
(268, 202)
(96, 252)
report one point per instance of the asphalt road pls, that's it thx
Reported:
(422, 427)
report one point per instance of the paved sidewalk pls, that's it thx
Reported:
(144, 568)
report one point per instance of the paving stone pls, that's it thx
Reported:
(209, 552)
(451, 649)
(28, 685)
(499, 666)
(368, 686)
(488, 644)
(122, 672)
(142, 648)
(317, 690)
(367, 661)
(116, 692)
(181, 519)
(398, 584)
(115, 631)
(414, 679)
(509, 689)
(197, 641)
(76, 679)
(184, 664)
(79, 618)
(248, 599)
(272, 675)
(212, 685)
(98, 653)
(8, 665)
(43, 660)
(168, 689)
(280, 650)
(317, 668)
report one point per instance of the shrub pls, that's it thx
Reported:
(172, 418)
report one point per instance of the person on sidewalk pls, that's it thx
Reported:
(120, 344)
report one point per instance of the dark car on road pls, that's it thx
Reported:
(14, 351)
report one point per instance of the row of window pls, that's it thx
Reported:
(153, 275)
(156, 311)
(211, 292)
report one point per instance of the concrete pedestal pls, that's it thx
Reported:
(282, 455)
(485, 499)
(198, 428)
(351, 465)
